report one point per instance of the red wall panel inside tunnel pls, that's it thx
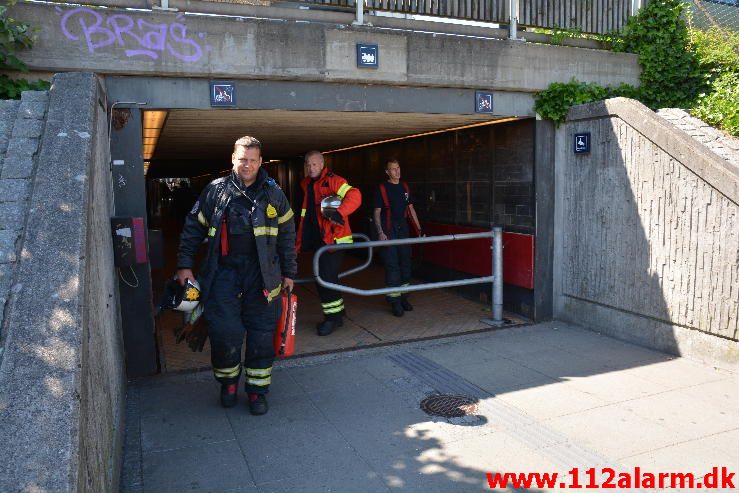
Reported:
(474, 256)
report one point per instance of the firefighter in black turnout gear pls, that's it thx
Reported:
(251, 257)
(393, 212)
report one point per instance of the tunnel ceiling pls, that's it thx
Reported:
(193, 142)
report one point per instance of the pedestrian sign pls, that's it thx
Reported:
(582, 143)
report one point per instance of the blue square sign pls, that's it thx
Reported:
(582, 143)
(483, 102)
(367, 55)
(222, 93)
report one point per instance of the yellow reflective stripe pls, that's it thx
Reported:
(274, 293)
(262, 382)
(393, 295)
(265, 230)
(285, 217)
(227, 372)
(302, 212)
(333, 303)
(212, 232)
(202, 220)
(345, 239)
(329, 311)
(259, 372)
(343, 189)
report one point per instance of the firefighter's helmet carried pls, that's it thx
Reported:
(181, 298)
(330, 204)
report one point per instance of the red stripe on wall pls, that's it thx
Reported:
(474, 256)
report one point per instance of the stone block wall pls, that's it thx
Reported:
(62, 377)
(21, 126)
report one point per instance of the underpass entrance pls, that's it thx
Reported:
(467, 171)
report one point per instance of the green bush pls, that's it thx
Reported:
(681, 67)
(671, 76)
(556, 100)
(720, 106)
(14, 36)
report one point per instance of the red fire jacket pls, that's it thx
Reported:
(330, 184)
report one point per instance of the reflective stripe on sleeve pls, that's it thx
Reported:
(343, 189)
(285, 217)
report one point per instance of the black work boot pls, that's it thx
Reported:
(258, 404)
(406, 305)
(329, 325)
(229, 394)
(397, 308)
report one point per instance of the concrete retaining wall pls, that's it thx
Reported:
(647, 233)
(113, 41)
(61, 375)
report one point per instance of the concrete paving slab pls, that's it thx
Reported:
(676, 373)
(339, 482)
(184, 429)
(725, 392)
(334, 376)
(614, 431)
(171, 396)
(697, 456)
(558, 363)
(690, 417)
(411, 473)
(614, 386)
(502, 376)
(549, 401)
(212, 468)
(297, 452)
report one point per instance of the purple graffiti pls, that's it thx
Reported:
(138, 38)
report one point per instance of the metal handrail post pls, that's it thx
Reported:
(497, 274)
(496, 248)
(359, 21)
(513, 20)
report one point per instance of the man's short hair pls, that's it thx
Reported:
(312, 153)
(391, 161)
(249, 142)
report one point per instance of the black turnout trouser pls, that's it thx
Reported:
(329, 266)
(236, 305)
(397, 260)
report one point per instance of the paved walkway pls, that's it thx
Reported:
(550, 397)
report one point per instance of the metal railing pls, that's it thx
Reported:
(496, 278)
(353, 270)
(586, 16)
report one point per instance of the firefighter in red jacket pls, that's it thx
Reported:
(316, 230)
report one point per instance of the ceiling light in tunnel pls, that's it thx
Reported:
(153, 123)
(146, 167)
(433, 132)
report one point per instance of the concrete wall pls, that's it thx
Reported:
(61, 375)
(647, 233)
(111, 41)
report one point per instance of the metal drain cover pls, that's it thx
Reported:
(449, 406)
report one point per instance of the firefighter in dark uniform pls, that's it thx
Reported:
(317, 230)
(251, 257)
(393, 206)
